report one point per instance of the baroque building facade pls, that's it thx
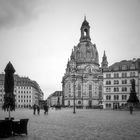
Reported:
(27, 92)
(117, 82)
(83, 80)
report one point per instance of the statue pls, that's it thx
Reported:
(133, 85)
(133, 99)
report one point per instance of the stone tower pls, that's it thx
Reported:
(104, 61)
(83, 75)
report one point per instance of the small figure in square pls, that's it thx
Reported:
(131, 109)
(38, 109)
(34, 109)
(46, 108)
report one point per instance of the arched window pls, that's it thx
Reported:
(85, 32)
(79, 102)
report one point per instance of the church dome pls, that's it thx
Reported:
(85, 51)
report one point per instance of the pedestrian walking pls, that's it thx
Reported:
(38, 109)
(46, 109)
(34, 109)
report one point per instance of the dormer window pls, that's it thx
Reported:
(116, 68)
(132, 67)
(124, 67)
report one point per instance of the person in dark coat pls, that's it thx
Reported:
(38, 109)
(46, 108)
(34, 109)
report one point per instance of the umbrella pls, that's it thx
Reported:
(9, 97)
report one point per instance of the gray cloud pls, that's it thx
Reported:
(18, 12)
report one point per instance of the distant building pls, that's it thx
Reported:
(83, 75)
(27, 92)
(117, 82)
(55, 98)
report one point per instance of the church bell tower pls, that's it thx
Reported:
(85, 31)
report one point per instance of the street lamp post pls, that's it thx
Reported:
(73, 74)
(82, 92)
(74, 95)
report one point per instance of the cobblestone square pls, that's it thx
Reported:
(84, 125)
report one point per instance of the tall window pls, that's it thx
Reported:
(116, 82)
(116, 89)
(108, 89)
(124, 89)
(116, 97)
(116, 75)
(108, 105)
(69, 88)
(132, 74)
(124, 74)
(108, 75)
(124, 97)
(90, 91)
(79, 90)
(108, 97)
(124, 81)
(108, 82)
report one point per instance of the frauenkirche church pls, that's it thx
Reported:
(87, 84)
(83, 78)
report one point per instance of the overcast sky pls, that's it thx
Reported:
(37, 36)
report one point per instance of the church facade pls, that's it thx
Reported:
(83, 78)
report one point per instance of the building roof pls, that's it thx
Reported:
(55, 94)
(22, 81)
(125, 65)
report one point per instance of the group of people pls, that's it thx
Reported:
(37, 108)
